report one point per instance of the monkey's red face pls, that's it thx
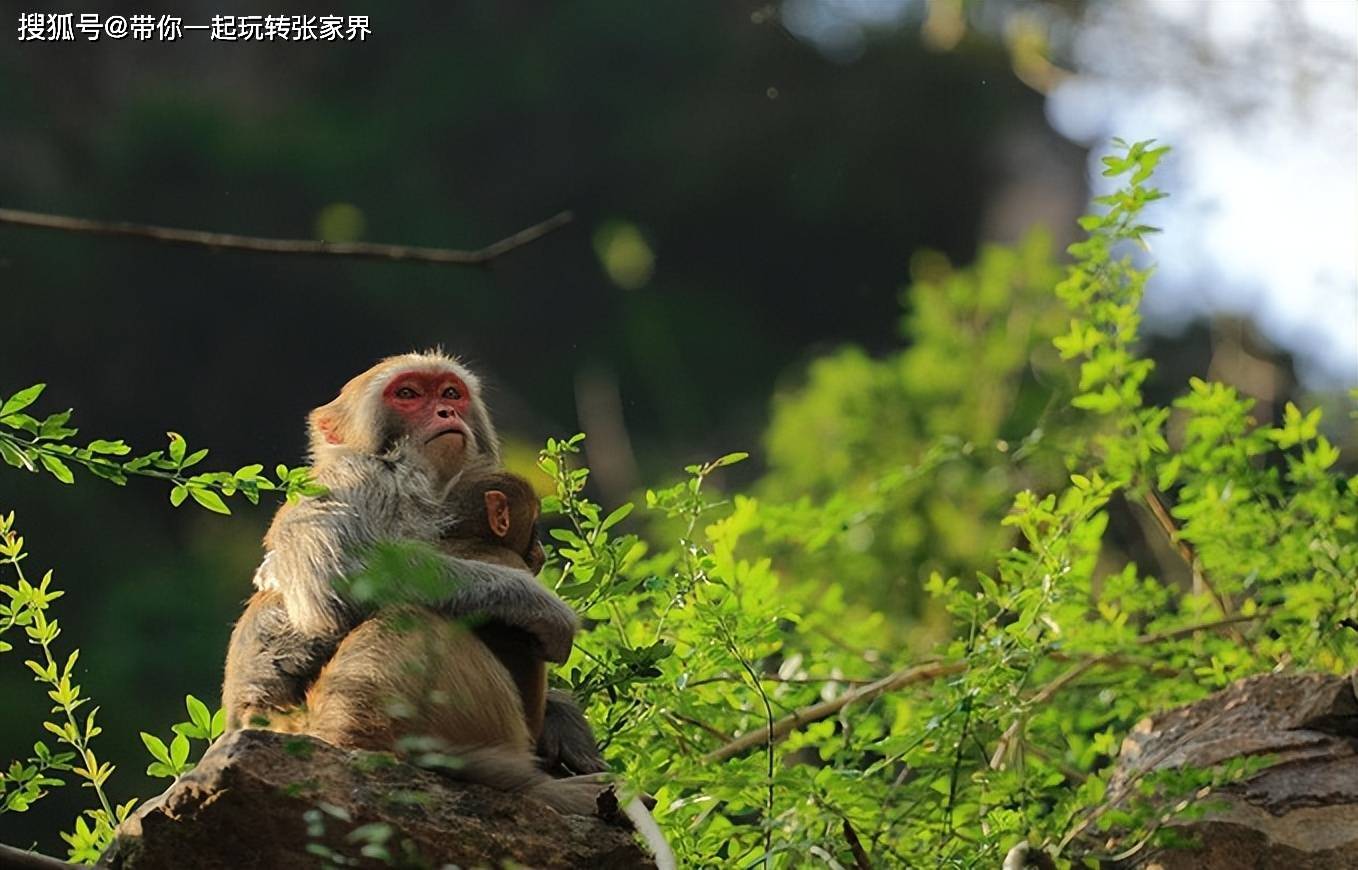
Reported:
(432, 408)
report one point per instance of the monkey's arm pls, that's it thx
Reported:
(304, 571)
(567, 742)
(514, 597)
(315, 542)
(268, 663)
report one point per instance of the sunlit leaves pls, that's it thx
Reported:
(25, 606)
(44, 445)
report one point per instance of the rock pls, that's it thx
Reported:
(246, 803)
(1300, 812)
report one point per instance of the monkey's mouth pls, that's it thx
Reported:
(456, 429)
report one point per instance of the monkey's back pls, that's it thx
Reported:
(441, 679)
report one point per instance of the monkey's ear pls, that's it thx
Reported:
(497, 512)
(326, 425)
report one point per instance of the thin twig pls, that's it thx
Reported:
(859, 652)
(18, 859)
(825, 709)
(1067, 771)
(1185, 549)
(684, 743)
(1085, 665)
(955, 774)
(1150, 666)
(1146, 765)
(1175, 633)
(774, 678)
(1150, 763)
(860, 855)
(920, 674)
(700, 724)
(228, 241)
(1041, 697)
(768, 743)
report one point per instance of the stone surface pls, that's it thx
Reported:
(1301, 812)
(244, 805)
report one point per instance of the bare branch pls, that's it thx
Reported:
(774, 678)
(226, 241)
(700, 724)
(1185, 550)
(18, 859)
(1041, 697)
(1183, 631)
(860, 855)
(816, 712)
(935, 670)
(1003, 745)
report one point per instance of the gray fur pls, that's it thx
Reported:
(373, 499)
(269, 663)
(567, 743)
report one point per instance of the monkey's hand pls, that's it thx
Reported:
(567, 743)
(514, 597)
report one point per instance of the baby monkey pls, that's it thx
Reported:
(495, 519)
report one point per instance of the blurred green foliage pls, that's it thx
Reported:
(936, 436)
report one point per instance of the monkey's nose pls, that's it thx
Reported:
(445, 413)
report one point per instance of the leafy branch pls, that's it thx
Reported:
(26, 608)
(44, 445)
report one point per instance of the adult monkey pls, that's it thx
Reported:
(386, 449)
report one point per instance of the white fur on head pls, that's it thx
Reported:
(356, 414)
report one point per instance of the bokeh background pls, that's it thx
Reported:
(755, 187)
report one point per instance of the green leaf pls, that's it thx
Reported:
(23, 422)
(16, 457)
(58, 468)
(616, 516)
(177, 447)
(21, 399)
(156, 747)
(161, 769)
(179, 751)
(54, 427)
(198, 713)
(210, 500)
(111, 448)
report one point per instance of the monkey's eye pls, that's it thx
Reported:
(406, 393)
(452, 393)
